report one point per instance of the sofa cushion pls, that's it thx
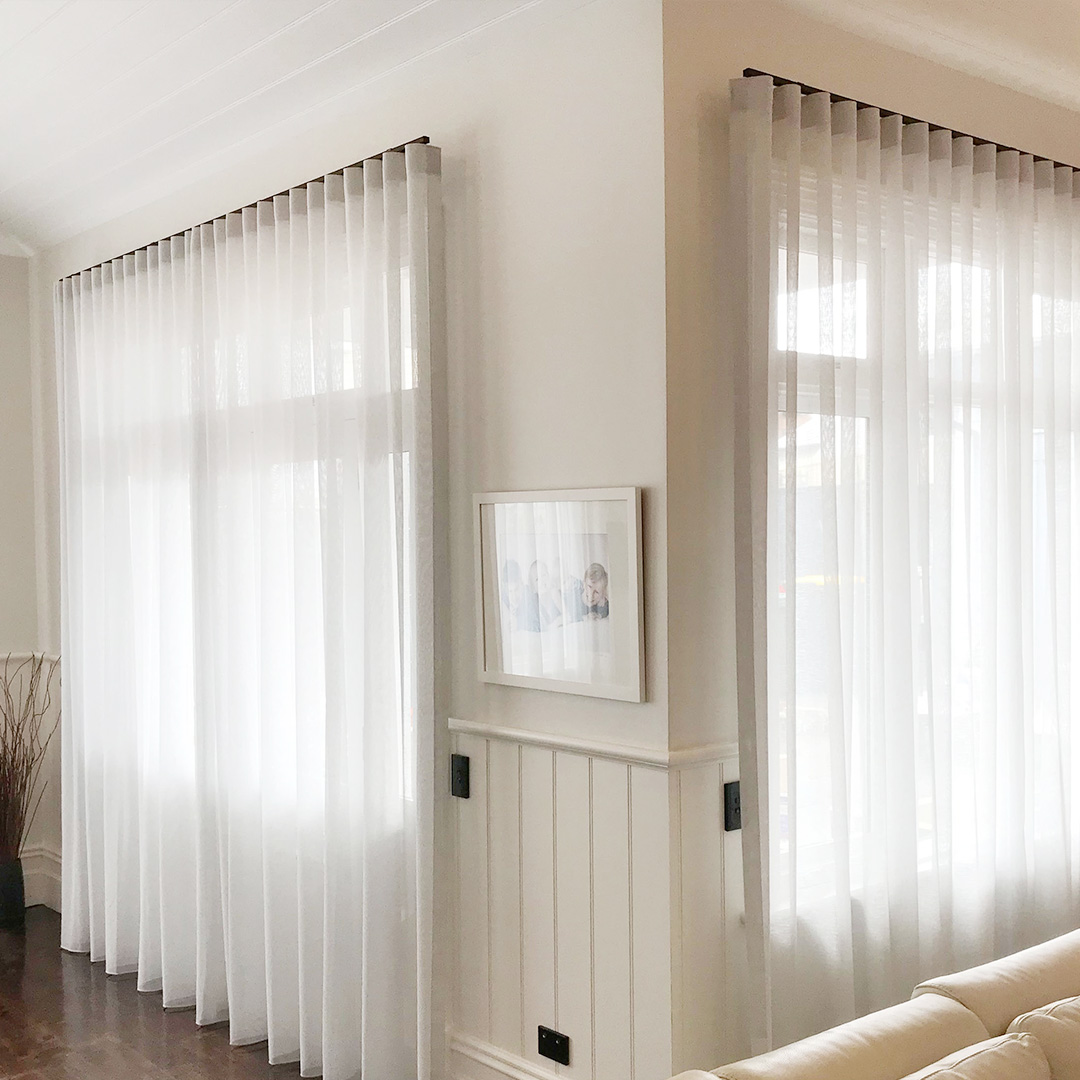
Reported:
(1007, 1057)
(1002, 989)
(885, 1045)
(1057, 1027)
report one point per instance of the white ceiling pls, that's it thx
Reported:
(1030, 45)
(106, 105)
(104, 102)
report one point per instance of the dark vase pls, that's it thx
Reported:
(12, 896)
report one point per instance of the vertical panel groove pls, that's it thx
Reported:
(521, 882)
(724, 1027)
(630, 906)
(555, 875)
(592, 921)
(455, 915)
(521, 888)
(679, 893)
(487, 869)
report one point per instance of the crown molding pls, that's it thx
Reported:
(957, 43)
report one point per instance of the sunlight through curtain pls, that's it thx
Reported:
(247, 617)
(908, 589)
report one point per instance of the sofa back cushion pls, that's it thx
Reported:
(1057, 1027)
(998, 991)
(1008, 1057)
(886, 1045)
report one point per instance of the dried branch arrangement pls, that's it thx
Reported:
(27, 687)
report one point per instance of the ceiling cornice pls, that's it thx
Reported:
(964, 47)
(12, 245)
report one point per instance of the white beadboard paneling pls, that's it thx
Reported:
(573, 904)
(538, 894)
(473, 1059)
(611, 919)
(650, 908)
(22, 18)
(472, 1006)
(702, 970)
(505, 897)
(580, 857)
(55, 44)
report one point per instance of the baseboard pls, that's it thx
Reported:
(473, 1059)
(41, 873)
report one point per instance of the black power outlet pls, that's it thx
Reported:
(732, 807)
(459, 776)
(553, 1044)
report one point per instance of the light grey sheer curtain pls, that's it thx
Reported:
(248, 617)
(908, 593)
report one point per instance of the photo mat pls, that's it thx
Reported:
(560, 591)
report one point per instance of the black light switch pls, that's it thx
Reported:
(553, 1044)
(459, 776)
(732, 807)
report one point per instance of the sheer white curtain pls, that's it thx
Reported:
(908, 490)
(247, 617)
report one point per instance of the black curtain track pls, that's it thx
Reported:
(423, 140)
(749, 73)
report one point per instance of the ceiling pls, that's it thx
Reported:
(103, 103)
(1030, 45)
(106, 105)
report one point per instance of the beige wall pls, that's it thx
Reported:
(707, 43)
(18, 601)
(18, 598)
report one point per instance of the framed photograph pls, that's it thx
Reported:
(559, 591)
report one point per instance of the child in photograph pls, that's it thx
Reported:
(587, 597)
(594, 592)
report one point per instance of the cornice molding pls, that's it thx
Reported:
(963, 48)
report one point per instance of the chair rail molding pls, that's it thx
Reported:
(608, 751)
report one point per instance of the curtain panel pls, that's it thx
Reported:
(908, 545)
(247, 523)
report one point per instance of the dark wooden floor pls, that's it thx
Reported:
(63, 1018)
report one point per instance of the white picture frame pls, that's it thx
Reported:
(559, 591)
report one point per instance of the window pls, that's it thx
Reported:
(912, 466)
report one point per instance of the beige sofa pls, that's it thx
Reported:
(1011, 1019)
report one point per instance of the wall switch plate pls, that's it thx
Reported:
(732, 807)
(553, 1044)
(459, 776)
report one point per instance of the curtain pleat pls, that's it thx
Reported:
(247, 629)
(906, 505)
